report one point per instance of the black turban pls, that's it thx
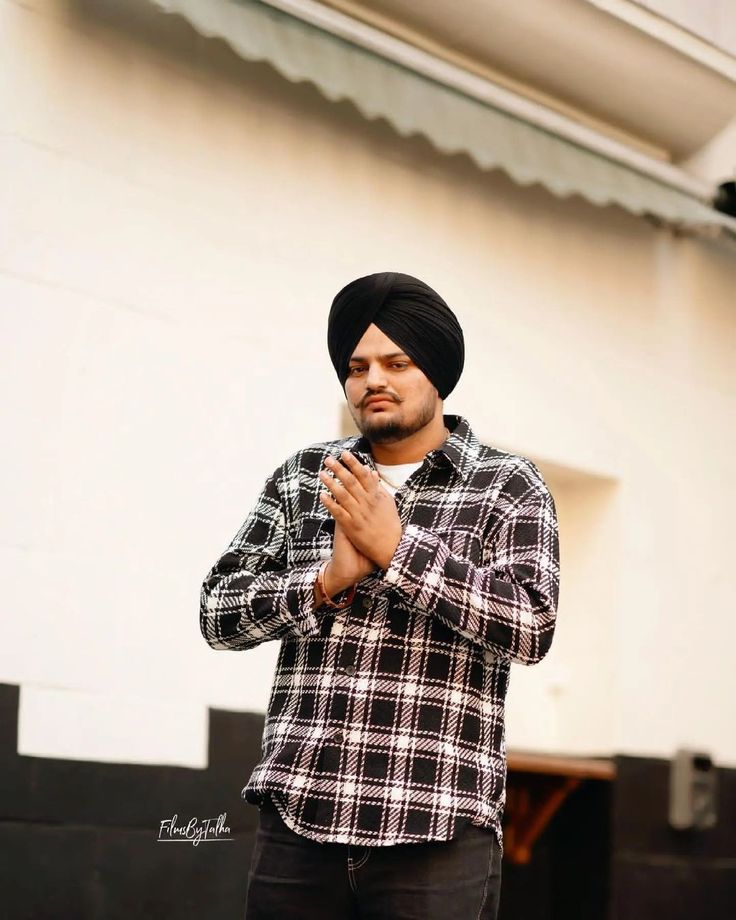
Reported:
(410, 313)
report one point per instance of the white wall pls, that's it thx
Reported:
(175, 224)
(716, 161)
(712, 20)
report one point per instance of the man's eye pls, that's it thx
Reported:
(399, 364)
(355, 368)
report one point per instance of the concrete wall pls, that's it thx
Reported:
(175, 223)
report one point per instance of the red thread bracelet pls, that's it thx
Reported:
(327, 600)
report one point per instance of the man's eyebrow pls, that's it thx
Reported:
(394, 354)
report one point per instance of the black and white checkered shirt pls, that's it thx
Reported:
(386, 719)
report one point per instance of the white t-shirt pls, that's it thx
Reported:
(396, 472)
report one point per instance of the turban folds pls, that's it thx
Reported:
(410, 313)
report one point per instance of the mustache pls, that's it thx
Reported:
(369, 396)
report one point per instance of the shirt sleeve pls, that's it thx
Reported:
(509, 606)
(250, 596)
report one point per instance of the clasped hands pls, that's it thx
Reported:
(367, 523)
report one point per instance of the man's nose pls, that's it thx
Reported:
(376, 377)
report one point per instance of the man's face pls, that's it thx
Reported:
(378, 367)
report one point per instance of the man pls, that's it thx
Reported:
(403, 571)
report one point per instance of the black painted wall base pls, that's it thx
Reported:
(79, 840)
(568, 875)
(661, 872)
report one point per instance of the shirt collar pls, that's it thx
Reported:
(460, 449)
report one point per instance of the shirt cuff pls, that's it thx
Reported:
(416, 563)
(297, 600)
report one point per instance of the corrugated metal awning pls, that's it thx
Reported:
(452, 121)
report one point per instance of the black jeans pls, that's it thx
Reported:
(294, 877)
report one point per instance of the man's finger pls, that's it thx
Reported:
(361, 472)
(338, 490)
(346, 477)
(339, 514)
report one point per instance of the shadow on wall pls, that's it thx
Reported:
(567, 703)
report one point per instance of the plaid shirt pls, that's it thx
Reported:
(385, 722)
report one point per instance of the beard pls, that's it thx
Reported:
(379, 429)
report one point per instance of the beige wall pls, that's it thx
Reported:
(175, 224)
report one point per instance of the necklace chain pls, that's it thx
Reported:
(393, 484)
(387, 480)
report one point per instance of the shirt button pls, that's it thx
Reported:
(366, 603)
(337, 735)
(350, 670)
